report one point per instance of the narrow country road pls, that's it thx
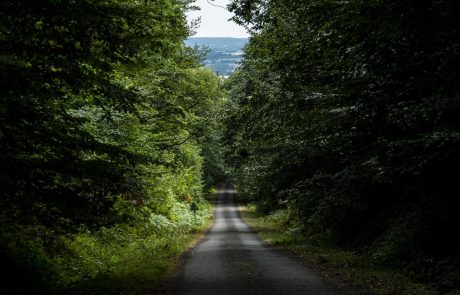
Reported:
(233, 260)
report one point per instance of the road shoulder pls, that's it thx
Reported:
(350, 273)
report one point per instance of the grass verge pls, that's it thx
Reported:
(135, 264)
(348, 270)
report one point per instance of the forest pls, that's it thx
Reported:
(343, 115)
(107, 133)
(346, 114)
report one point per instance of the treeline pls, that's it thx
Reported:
(107, 134)
(347, 115)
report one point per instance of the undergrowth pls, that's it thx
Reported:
(348, 270)
(127, 259)
(123, 259)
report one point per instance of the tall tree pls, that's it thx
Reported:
(344, 111)
(103, 114)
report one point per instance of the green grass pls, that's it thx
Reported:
(130, 262)
(346, 269)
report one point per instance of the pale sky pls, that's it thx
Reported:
(215, 20)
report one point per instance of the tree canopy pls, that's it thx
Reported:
(105, 119)
(346, 113)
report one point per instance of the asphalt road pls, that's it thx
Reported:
(233, 260)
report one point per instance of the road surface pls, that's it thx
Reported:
(233, 260)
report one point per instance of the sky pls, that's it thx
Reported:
(215, 20)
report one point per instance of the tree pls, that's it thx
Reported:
(103, 111)
(343, 112)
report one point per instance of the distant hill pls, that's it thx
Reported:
(225, 52)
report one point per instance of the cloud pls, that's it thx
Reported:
(215, 20)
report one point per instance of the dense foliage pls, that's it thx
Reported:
(347, 114)
(105, 121)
